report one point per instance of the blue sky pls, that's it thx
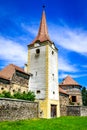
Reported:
(67, 26)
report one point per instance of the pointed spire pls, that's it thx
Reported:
(43, 30)
(68, 80)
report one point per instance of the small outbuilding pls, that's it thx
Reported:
(13, 79)
(73, 89)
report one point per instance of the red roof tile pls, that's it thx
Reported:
(43, 30)
(62, 91)
(68, 81)
(9, 70)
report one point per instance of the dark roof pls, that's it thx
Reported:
(9, 70)
(69, 81)
(62, 91)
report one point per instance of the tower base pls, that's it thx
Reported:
(49, 109)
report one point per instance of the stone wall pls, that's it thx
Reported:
(74, 91)
(64, 102)
(73, 110)
(18, 79)
(83, 111)
(4, 87)
(17, 84)
(76, 110)
(11, 109)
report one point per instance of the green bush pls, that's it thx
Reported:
(84, 96)
(71, 103)
(6, 94)
(18, 95)
(28, 96)
(1, 95)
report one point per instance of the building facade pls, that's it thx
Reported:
(41, 77)
(73, 89)
(43, 64)
(64, 102)
(13, 79)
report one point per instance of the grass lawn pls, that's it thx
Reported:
(62, 123)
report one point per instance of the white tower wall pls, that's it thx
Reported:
(53, 74)
(37, 82)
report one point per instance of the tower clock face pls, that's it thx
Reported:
(36, 44)
(53, 46)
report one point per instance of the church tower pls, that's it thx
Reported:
(43, 65)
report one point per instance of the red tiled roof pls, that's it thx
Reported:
(68, 81)
(62, 91)
(43, 30)
(9, 70)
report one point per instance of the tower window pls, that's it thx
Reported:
(53, 76)
(53, 92)
(13, 90)
(52, 52)
(19, 90)
(36, 74)
(73, 98)
(37, 51)
(38, 91)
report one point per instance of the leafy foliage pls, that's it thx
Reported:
(6, 94)
(84, 96)
(71, 103)
(25, 96)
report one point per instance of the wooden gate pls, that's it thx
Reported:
(53, 110)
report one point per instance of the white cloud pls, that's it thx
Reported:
(63, 75)
(84, 66)
(12, 52)
(65, 66)
(33, 29)
(70, 39)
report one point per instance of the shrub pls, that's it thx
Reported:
(71, 103)
(78, 103)
(25, 96)
(29, 96)
(6, 94)
(17, 95)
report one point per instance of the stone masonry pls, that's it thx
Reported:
(76, 110)
(64, 101)
(13, 109)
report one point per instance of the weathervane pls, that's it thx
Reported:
(43, 6)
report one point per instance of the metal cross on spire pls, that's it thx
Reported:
(43, 30)
(43, 6)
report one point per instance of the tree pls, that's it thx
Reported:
(84, 96)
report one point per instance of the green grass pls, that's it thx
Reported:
(62, 123)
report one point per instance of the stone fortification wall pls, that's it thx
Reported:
(11, 109)
(83, 111)
(64, 102)
(73, 110)
(76, 110)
